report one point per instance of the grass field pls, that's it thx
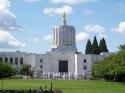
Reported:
(67, 86)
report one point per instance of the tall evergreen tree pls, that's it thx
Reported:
(95, 47)
(103, 46)
(88, 47)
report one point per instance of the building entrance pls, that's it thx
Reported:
(63, 66)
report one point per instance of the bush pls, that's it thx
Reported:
(40, 90)
(111, 68)
(31, 91)
(16, 77)
(57, 91)
(6, 70)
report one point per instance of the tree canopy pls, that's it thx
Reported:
(103, 46)
(25, 69)
(95, 48)
(111, 68)
(6, 70)
(121, 47)
(88, 47)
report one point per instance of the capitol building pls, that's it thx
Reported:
(63, 59)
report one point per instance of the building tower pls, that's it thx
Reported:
(64, 36)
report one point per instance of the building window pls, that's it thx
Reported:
(1, 59)
(11, 60)
(84, 60)
(41, 66)
(6, 59)
(21, 61)
(41, 60)
(16, 61)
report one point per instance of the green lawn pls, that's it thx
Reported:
(68, 86)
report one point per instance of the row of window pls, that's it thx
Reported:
(41, 60)
(11, 60)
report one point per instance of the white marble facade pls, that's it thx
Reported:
(52, 62)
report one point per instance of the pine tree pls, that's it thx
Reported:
(88, 47)
(103, 46)
(95, 47)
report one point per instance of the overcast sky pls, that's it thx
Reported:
(26, 25)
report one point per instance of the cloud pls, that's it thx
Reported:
(82, 36)
(34, 40)
(61, 10)
(48, 38)
(8, 41)
(120, 28)
(4, 4)
(7, 18)
(94, 28)
(88, 12)
(102, 35)
(33, 1)
(71, 1)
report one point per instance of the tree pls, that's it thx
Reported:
(6, 70)
(25, 69)
(111, 68)
(103, 46)
(95, 47)
(122, 47)
(88, 47)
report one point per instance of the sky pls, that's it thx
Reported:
(27, 25)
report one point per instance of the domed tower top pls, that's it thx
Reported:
(64, 36)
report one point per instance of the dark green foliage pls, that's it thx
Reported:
(88, 47)
(25, 69)
(111, 68)
(95, 47)
(57, 91)
(6, 70)
(122, 47)
(103, 46)
(30, 91)
(40, 90)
